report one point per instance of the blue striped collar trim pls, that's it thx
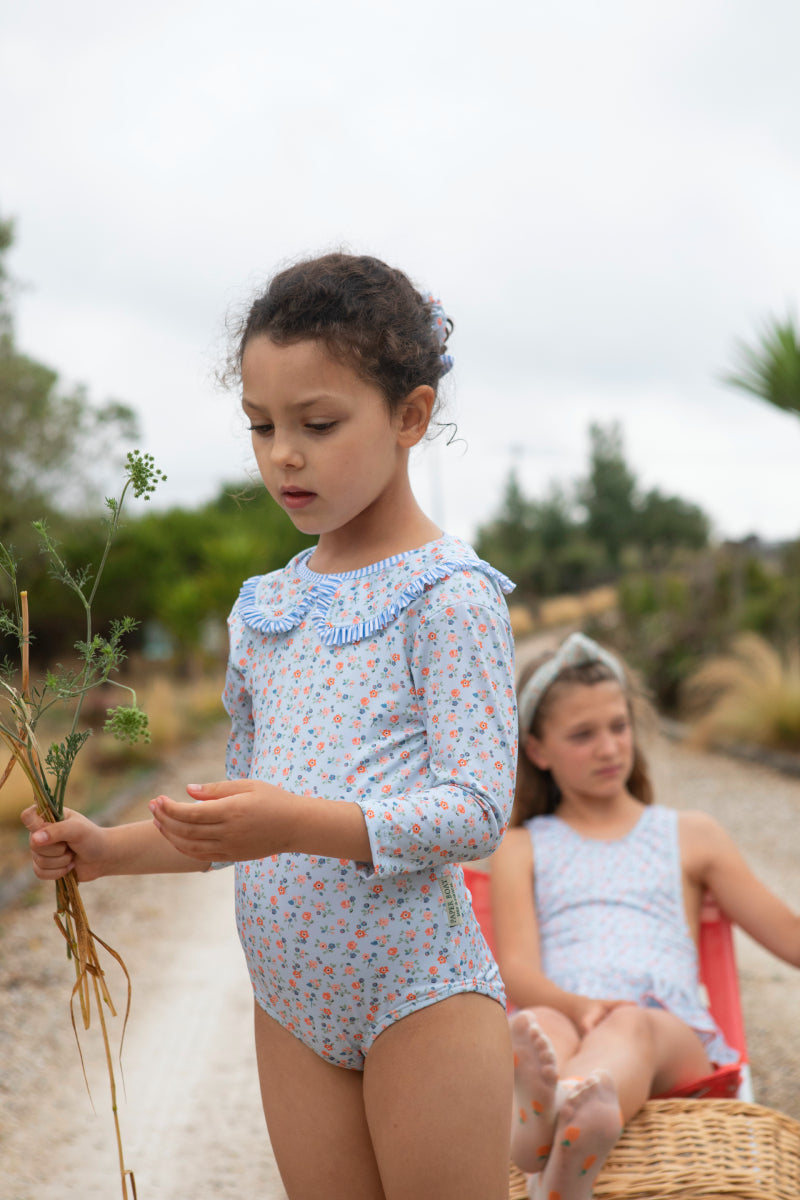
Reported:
(316, 603)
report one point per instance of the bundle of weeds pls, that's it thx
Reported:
(749, 695)
(22, 706)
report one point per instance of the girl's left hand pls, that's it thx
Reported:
(238, 819)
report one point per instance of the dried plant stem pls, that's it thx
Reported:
(100, 657)
(124, 1173)
(82, 944)
(9, 767)
(90, 980)
(26, 648)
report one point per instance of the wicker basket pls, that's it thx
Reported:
(699, 1150)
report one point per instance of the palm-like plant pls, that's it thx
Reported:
(770, 369)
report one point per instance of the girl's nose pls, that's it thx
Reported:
(607, 744)
(284, 452)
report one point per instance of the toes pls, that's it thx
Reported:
(592, 1101)
(522, 1025)
(529, 1041)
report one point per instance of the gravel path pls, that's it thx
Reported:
(191, 1119)
(190, 1115)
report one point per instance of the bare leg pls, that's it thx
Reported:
(645, 1050)
(437, 1091)
(560, 1032)
(316, 1120)
(406, 1128)
(632, 1054)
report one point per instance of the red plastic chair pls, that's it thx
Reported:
(718, 976)
(720, 979)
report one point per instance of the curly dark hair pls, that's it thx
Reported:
(537, 794)
(368, 314)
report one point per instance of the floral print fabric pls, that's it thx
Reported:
(612, 922)
(391, 687)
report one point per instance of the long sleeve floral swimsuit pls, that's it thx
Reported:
(390, 686)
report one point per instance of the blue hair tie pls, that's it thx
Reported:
(439, 326)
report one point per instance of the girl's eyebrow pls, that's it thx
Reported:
(299, 405)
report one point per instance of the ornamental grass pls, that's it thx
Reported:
(750, 695)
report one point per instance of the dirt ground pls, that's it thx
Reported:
(190, 1110)
(191, 1114)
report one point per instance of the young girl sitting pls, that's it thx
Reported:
(596, 897)
(372, 748)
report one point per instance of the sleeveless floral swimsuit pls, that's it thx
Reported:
(612, 922)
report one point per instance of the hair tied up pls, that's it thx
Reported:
(441, 325)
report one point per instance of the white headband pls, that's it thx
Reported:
(574, 652)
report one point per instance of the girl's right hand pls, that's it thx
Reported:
(586, 1013)
(59, 847)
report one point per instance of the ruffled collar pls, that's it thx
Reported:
(352, 605)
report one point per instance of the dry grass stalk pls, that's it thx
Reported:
(70, 915)
(749, 695)
(48, 773)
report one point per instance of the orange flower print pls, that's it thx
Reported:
(397, 716)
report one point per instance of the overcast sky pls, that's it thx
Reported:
(604, 195)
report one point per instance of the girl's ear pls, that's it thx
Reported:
(534, 750)
(415, 415)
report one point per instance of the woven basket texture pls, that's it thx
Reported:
(699, 1150)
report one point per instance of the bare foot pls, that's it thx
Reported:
(535, 1080)
(588, 1125)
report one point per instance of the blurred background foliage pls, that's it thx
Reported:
(177, 572)
(640, 571)
(583, 535)
(637, 568)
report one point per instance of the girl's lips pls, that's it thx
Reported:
(296, 497)
(607, 772)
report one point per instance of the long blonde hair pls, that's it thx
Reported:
(537, 794)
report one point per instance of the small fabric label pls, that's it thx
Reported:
(451, 901)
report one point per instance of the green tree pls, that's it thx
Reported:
(666, 522)
(770, 369)
(234, 536)
(573, 539)
(183, 567)
(553, 518)
(509, 541)
(540, 544)
(6, 241)
(608, 494)
(51, 437)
